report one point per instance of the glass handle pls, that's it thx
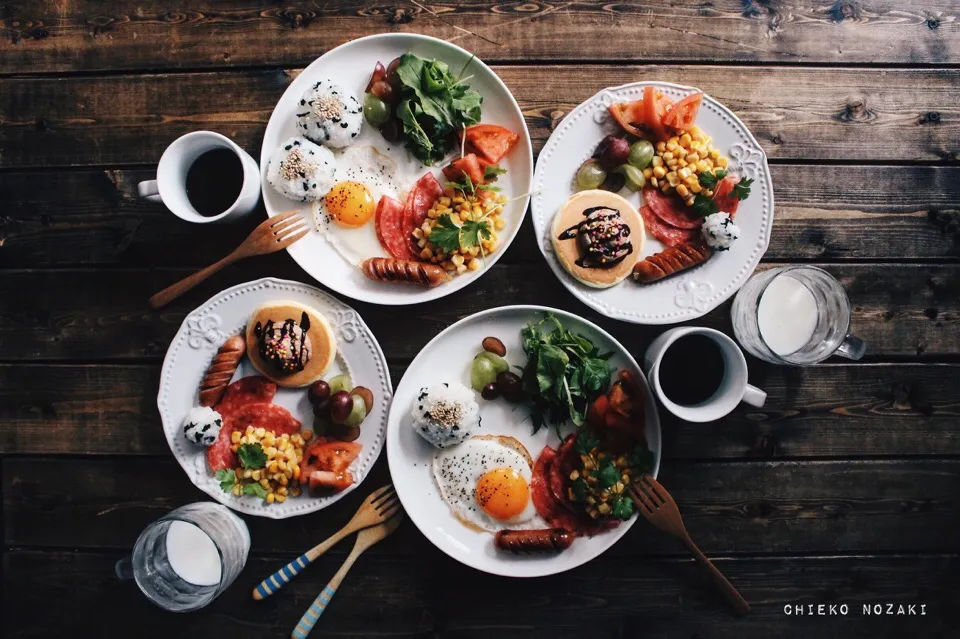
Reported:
(124, 568)
(852, 348)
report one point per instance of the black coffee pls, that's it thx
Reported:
(214, 181)
(691, 370)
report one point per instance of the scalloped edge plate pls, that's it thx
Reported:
(690, 294)
(195, 345)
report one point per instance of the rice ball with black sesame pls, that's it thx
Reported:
(330, 115)
(202, 425)
(446, 414)
(301, 170)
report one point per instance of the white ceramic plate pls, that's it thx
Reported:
(225, 314)
(447, 358)
(351, 65)
(687, 295)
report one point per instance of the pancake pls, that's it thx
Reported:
(568, 251)
(322, 342)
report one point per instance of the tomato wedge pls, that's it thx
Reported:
(623, 113)
(724, 197)
(320, 480)
(491, 141)
(333, 456)
(655, 107)
(468, 165)
(682, 115)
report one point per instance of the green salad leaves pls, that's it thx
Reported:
(565, 372)
(435, 104)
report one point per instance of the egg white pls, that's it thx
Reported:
(457, 470)
(379, 173)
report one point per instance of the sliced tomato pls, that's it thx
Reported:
(682, 115)
(655, 107)
(598, 411)
(724, 197)
(491, 141)
(334, 456)
(620, 413)
(624, 114)
(468, 165)
(320, 481)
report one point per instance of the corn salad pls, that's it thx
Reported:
(280, 476)
(599, 499)
(462, 207)
(679, 160)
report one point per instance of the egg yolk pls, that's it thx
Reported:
(502, 493)
(350, 203)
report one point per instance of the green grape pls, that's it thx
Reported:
(499, 364)
(375, 110)
(357, 414)
(590, 175)
(634, 177)
(339, 383)
(482, 372)
(641, 154)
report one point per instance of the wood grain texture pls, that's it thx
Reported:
(735, 507)
(841, 213)
(795, 113)
(861, 410)
(901, 311)
(37, 36)
(408, 597)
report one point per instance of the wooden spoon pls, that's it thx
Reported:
(655, 503)
(366, 538)
(273, 234)
(381, 505)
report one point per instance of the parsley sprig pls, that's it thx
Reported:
(252, 456)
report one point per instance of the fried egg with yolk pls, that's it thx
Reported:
(346, 214)
(485, 481)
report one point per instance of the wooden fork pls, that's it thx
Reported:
(366, 538)
(656, 504)
(379, 507)
(273, 234)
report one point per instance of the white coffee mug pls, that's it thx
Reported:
(170, 187)
(733, 387)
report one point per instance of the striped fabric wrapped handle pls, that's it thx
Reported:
(282, 577)
(310, 617)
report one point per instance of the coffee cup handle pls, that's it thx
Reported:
(148, 190)
(754, 396)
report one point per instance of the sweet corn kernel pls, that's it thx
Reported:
(461, 269)
(473, 264)
(499, 223)
(270, 498)
(702, 166)
(685, 140)
(458, 200)
(296, 471)
(696, 188)
(457, 260)
(653, 182)
(444, 201)
(426, 253)
(648, 173)
(682, 190)
(661, 146)
(467, 215)
(236, 490)
(282, 491)
(255, 475)
(667, 156)
(418, 233)
(684, 173)
(657, 161)
(722, 162)
(433, 214)
(260, 432)
(659, 172)
(280, 499)
(247, 474)
(283, 480)
(264, 482)
(235, 437)
(691, 180)
(671, 146)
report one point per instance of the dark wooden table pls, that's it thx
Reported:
(844, 489)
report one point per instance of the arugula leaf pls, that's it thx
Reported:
(703, 205)
(622, 508)
(742, 188)
(255, 490)
(227, 479)
(252, 456)
(710, 180)
(492, 172)
(446, 234)
(608, 474)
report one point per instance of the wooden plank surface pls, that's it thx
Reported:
(857, 410)
(795, 113)
(733, 507)
(413, 597)
(842, 213)
(41, 36)
(901, 311)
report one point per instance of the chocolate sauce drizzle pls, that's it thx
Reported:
(296, 359)
(602, 238)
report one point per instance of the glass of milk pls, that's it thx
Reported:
(797, 315)
(184, 560)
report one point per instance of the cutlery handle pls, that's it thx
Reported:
(174, 291)
(312, 614)
(726, 588)
(282, 577)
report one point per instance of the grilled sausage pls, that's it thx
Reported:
(669, 261)
(388, 269)
(534, 540)
(221, 371)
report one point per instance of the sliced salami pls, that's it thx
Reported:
(390, 228)
(669, 235)
(724, 197)
(255, 389)
(258, 415)
(422, 196)
(671, 209)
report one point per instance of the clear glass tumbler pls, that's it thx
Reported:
(797, 315)
(184, 560)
